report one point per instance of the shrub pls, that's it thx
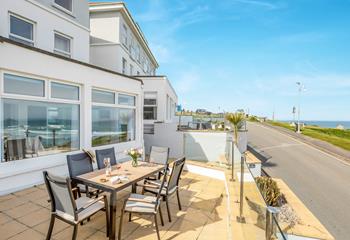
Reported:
(270, 191)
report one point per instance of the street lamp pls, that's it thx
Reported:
(301, 88)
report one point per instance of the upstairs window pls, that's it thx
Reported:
(125, 36)
(65, 4)
(150, 106)
(62, 45)
(124, 66)
(21, 30)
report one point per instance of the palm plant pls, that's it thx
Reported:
(236, 120)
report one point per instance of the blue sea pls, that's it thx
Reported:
(326, 124)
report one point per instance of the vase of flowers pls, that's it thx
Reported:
(134, 154)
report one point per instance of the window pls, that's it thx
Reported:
(111, 125)
(21, 30)
(126, 100)
(148, 128)
(64, 91)
(138, 73)
(125, 36)
(138, 53)
(23, 85)
(65, 4)
(124, 66)
(99, 96)
(62, 45)
(33, 128)
(131, 70)
(150, 106)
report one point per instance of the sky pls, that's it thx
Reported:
(248, 54)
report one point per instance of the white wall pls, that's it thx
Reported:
(16, 175)
(47, 21)
(162, 86)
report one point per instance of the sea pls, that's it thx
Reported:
(326, 124)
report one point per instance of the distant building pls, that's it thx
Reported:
(201, 111)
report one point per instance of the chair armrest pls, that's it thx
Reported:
(140, 200)
(91, 203)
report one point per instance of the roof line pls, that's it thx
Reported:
(4, 39)
(135, 24)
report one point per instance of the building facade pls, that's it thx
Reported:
(53, 101)
(160, 101)
(117, 42)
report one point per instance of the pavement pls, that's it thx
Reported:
(321, 180)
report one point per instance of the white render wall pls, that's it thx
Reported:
(162, 86)
(106, 48)
(20, 174)
(47, 21)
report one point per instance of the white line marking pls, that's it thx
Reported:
(308, 145)
(283, 145)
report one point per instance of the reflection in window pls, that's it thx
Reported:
(64, 91)
(99, 96)
(23, 85)
(34, 128)
(112, 125)
(21, 30)
(126, 100)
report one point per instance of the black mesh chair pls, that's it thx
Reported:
(105, 153)
(170, 187)
(79, 164)
(145, 205)
(159, 155)
(69, 210)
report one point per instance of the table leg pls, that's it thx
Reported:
(112, 215)
(133, 188)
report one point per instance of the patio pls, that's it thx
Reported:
(25, 215)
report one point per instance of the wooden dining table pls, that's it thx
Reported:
(99, 180)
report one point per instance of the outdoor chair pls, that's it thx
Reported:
(170, 187)
(159, 155)
(15, 149)
(145, 205)
(80, 164)
(65, 208)
(105, 153)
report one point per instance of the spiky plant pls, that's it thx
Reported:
(269, 190)
(236, 120)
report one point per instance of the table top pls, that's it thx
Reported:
(134, 174)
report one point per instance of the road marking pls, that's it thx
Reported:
(301, 142)
(283, 145)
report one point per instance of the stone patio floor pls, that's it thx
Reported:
(25, 215)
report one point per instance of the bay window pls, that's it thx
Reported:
(113, 122)
(36, 122)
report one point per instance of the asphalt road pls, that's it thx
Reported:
(320, 180)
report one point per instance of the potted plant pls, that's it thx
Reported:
(134, 154)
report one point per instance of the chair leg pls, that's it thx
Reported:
(107, 217)
(130, 217)
(178, 199)
(75, 232)
(168, 209)
(49, 232)
(120, 226)
(156, 223)
(161, 216)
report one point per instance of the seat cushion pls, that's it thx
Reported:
(141, 207)
(155, 190)
(81, 202)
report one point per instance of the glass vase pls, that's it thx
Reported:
(134, 162)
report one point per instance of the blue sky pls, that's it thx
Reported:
(248, 54)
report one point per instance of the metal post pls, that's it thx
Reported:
(232, 161)
(271, 212)
(241, 192)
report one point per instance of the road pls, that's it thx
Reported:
(320, 180)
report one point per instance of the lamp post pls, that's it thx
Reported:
(300, 89)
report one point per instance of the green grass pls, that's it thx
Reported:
(337, 137)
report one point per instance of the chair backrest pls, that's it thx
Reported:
(159, 194)
(159, 155)
(176, 173)
(16, 148)
(105, 153)
(61, 196)
(79, 164)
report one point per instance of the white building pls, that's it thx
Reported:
(160, 101)
(117, 42)
(53, 102)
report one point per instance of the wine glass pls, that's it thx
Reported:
(107, 163)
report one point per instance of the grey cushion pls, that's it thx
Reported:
(141, 207)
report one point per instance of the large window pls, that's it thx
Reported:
(21, 30)
(35, 127)
(62, 45)
(113, 122)
(65, 4)
(150, 106)
(124, 66)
